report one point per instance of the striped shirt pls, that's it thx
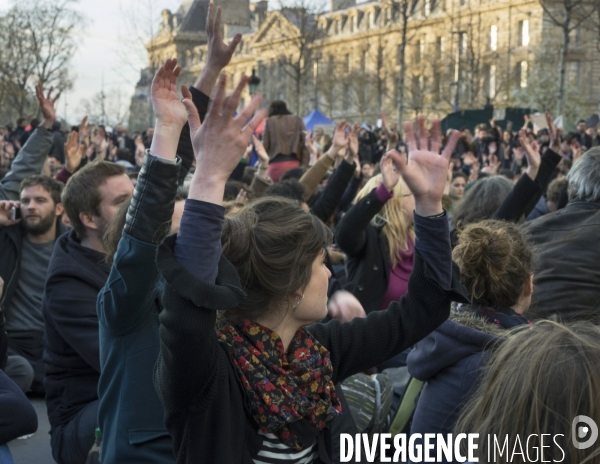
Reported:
(275, 452)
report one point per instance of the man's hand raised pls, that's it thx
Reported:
(47, 105)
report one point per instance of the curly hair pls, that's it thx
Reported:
(495, 261)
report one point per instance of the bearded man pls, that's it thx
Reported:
(27, 245)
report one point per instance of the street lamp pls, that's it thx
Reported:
(254, 82)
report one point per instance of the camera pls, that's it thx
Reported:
(15, 213)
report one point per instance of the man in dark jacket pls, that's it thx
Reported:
(76, 274)
(27, 246)
(566, 283)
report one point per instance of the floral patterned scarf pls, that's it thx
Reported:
(291, 395)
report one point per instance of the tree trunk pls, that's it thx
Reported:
(562, 65)
(402, 61)
(298, 87)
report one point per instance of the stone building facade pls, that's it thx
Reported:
(345, 61)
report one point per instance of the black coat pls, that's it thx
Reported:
(368, 258)
(205, 406)
(567, 279)
(71, 345)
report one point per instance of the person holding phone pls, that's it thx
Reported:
(28, 230)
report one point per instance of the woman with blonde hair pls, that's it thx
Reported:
(378, 238)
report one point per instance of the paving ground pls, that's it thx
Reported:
(34, 450)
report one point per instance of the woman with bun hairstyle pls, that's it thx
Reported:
(261, 388)
(537, 385)
(496, 266)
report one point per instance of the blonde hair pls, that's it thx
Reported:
(391, 218)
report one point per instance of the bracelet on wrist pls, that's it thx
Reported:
(437, 216)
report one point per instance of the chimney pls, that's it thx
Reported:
(336, 5)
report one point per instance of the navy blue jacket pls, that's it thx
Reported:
(449, 360)
(130, 414)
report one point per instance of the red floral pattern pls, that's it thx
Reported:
(283, 387)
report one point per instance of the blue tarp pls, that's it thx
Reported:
(316, 118)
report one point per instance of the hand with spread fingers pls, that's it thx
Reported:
(73, 152)
(426, 171)
(170, 112)
(555, 135)
(339, 141)
(219, 53)
(46, 105)
(221, 140)
(534, 160)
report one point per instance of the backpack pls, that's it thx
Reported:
(370, 400)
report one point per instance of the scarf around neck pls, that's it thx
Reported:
(290, 395)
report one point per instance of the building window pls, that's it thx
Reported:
(574, 70)
(494, 38)
(522, 70)
(348, 62)
(575, 36)
(363, 60)
(419, 51)
(439, 48)
(524, 33)
(492, 81)
(462, 43)
(346, 99)
(437, 87)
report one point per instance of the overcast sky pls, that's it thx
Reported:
(97, 58)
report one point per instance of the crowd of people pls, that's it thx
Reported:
(221, 290)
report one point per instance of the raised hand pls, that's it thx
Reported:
(219, 53)
(555, 134)
(46, 105)
(531, 153)
(426, 171)
(221, 140)
(170, 113)
(165, 101)
(73, 152)
(390, 131)
(242, 196)
(340, 139)
(84, 130)
(263, 156)
(353, 144)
